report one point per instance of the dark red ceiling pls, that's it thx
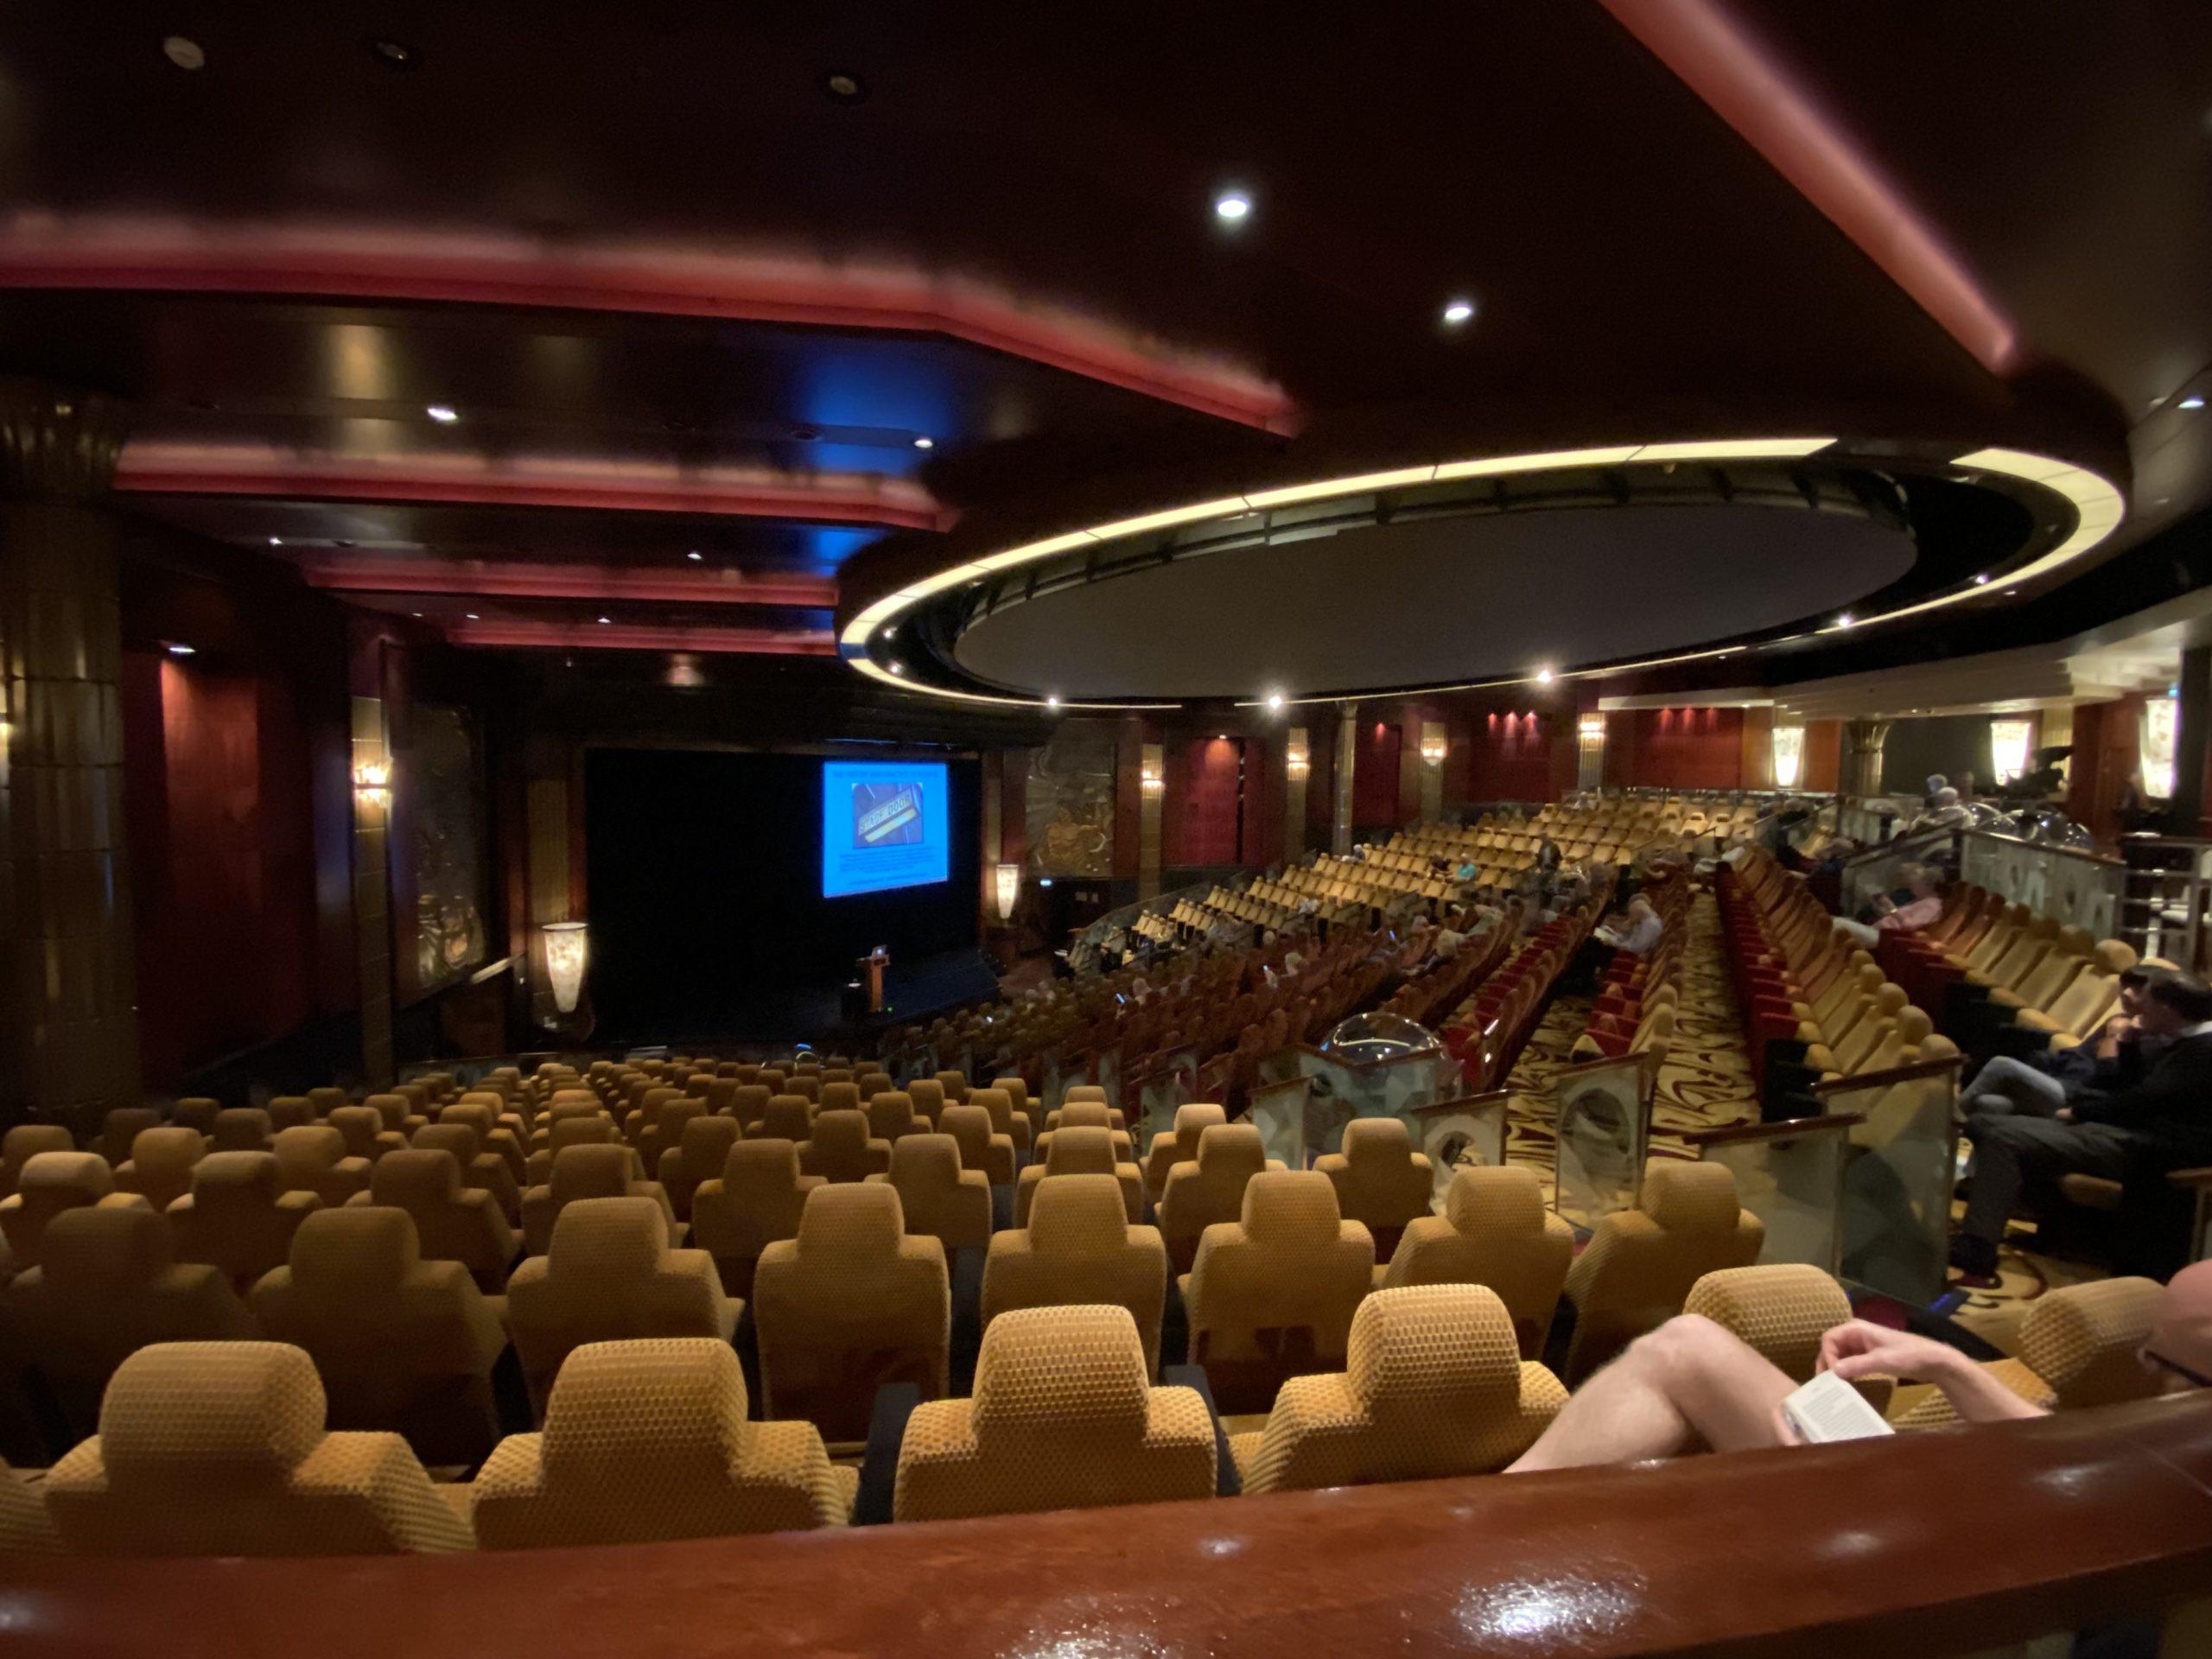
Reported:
(1041, 181)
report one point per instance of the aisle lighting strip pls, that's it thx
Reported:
(2097, 505)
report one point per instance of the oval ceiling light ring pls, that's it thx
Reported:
(2095, 505)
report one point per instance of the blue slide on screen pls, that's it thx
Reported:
(883, 826)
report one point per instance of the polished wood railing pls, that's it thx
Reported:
(1949, 1541)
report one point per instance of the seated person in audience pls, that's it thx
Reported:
(2162, 1122)
(1923, 904)
(1636, 933)
(1948, 813)
(1691, 1383)
(2115, 1057)
(1446, 944)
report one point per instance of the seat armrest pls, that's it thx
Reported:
(1226, 1481)
(887, 1432)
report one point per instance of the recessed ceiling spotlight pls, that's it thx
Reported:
(1844, 621)
(844, 87)
(1459, 311)
(394, 54)
(897, 669)
(473, 617)
(1543, 676)
(2192, 402)
(417, 615)
(695, 558)
(1275, 701)
(604, 620)
(184, 52)
(181, 651)
(1052, 701)
(2011, 591)
(1232, 206)
(275, 541)
(1981, 582)
(924, 442)
(443, 414)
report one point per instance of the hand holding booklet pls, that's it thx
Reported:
(1829, 1408)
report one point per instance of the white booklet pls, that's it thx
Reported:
(1829, 1408)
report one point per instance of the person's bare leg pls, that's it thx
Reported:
(1687, 1382)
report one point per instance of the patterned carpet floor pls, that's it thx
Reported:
(1706, 1084)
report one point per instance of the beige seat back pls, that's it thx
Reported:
(1210, 1189)
(841, 1148)
(1180, 1144)
(1433, 1385)
(940, 1199)
(159, 1168)
(401, 1343)
(311, 1158)
(851, 1303)
(757, 1200)
(1062, 1418)
(218, 1448)
(107, 1285)
(1380, 1180)
(237, 1216)
(25, 1142)
(609, 1275)
(1495, 1231)
(1640, 1264)
(1272, 1295)
(647, 1441)
(696, 1158)
(1080, 1246)
(453, 1223)
(120, 1129)
(48, 1184)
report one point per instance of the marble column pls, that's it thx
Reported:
(68, 1007)
(1347, 759)
(1861, 773)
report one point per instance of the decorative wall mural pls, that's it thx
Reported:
(448, 793)
(1069, 801)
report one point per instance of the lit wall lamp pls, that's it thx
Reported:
(565, 945)
(1789, 755)
(372, 781)
(1432, 750)
(1297, 762)
(1151, 780)
(1009, 888)
(1590, 728)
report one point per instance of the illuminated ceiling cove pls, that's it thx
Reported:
(917, 635)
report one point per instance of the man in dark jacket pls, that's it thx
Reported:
(2162, 1122)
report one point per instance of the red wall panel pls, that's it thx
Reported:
(1510, 758)
(1199, 821)
(222, 862)
(1677, 749)
(1375, 775)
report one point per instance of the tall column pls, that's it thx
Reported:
(2192, 740)
(1861, 771)
(1153, 782)
(1347, 754)
(1590, 750)
(69, 1003)
(1297, 765)
(1435, 746)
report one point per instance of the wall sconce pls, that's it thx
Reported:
(1009, 889)
(1297, 763)
(1789, 755)
(1432, 750)
(1591, 728)
(372, 781)
(564, 961)
(1151, 781)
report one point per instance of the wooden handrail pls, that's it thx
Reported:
(1946, 1541)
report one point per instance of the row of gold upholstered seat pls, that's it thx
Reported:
(223, 1448)
(847, 1294)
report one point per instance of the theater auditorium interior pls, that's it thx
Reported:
(981, 830)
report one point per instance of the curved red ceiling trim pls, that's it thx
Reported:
(165, 468)
(505, 580)
(617, 636)
(1745, 87)
(41, 249)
